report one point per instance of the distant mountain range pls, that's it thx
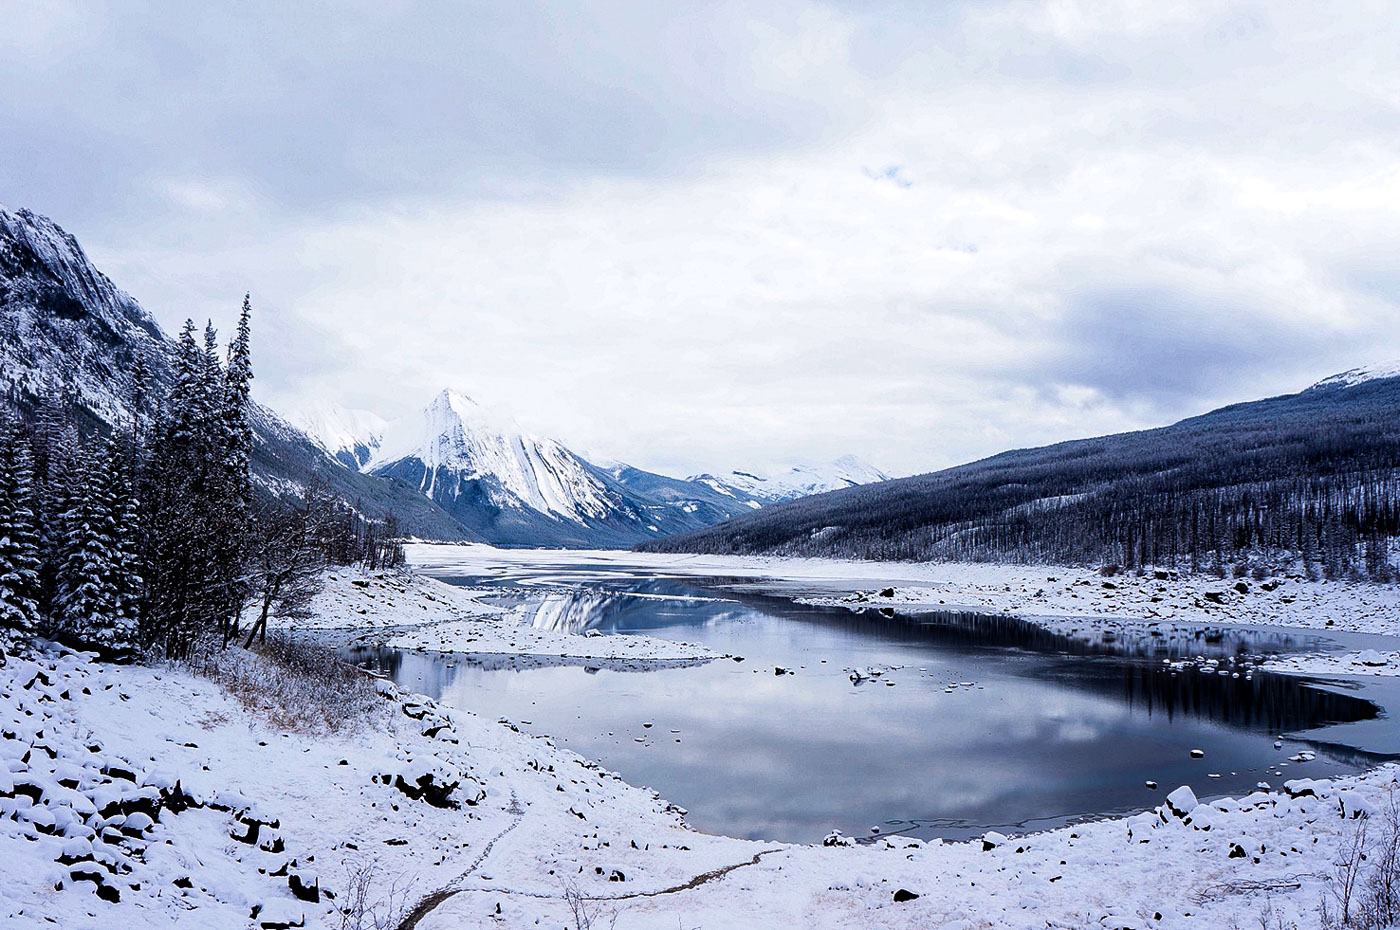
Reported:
(798, 480)
(513, 488)
(458, 472)
(1302, 482)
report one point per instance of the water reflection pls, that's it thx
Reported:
(990, 721)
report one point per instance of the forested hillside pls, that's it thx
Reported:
(71, 339)
(1305, 481)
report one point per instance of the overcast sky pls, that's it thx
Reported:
(702, 236)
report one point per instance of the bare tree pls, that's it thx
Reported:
(287, 556)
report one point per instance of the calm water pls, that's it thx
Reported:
(989, 723)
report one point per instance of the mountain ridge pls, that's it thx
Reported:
(1310, 481)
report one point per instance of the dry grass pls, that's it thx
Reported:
(295, 685)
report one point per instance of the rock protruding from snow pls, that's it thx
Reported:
(1182, 801)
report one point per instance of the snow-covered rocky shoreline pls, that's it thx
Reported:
(159, 787)
(403, 610)
(1054, 596)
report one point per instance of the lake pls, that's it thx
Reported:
(976, 721)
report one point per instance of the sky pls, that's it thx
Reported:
(705, 236)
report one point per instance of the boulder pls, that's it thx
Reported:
(1182, 801)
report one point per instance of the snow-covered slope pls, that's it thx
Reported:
(458, 443)
(516, 489)
(65, 325)
(67, 331)
(1357, 376)
(351, 436)
(797, 481)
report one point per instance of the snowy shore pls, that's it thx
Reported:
(401, 610)
(1050, 595)
(184, 801)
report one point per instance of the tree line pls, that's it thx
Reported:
(152, 535)
(1308, 483)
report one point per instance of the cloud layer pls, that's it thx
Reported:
(702, 240)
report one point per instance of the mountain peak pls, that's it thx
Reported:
(457, 440)
(1356, 376)
(800, 480)
(351, 436)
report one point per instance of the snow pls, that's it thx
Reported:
(1037, 592)
(796, 480)
(338, 429)
(208, 811)
(410, 611)
(249, 811)
(1361, 375)
(457, 439)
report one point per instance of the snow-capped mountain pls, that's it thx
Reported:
(66, 329)
(458, 444)
(351, 436)
(66, 326)
(456, 472)
(1357, 376)
(797, 481)
(513, 488)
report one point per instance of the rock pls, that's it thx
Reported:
(1151, 785)
(278, 914)
(991, 840)
(1202, 817)
(1182, 801)
(305, 886)
(904, 894)
(887, 592)
(1371, 657)
(1198, 753)
(836, 838)
(1215, 597)
(1242, 587)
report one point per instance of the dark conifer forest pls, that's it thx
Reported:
(1304, 482)
(152, 535)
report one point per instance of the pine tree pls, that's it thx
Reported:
(121, 636)
(86, 598)
(237, 404)
(234, 490)
(55, 448)
(19, 542)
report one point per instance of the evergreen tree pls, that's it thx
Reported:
(237, 405)
(19, 542)
(121, 636)
(55, 449)
(85, 600)
(234, 491)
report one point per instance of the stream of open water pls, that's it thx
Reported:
(981, 722)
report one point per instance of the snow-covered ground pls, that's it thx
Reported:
(162, 789)
(412, 611)
(194, 807)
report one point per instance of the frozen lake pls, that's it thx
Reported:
(989, 723)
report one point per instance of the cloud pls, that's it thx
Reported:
(706, 238)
